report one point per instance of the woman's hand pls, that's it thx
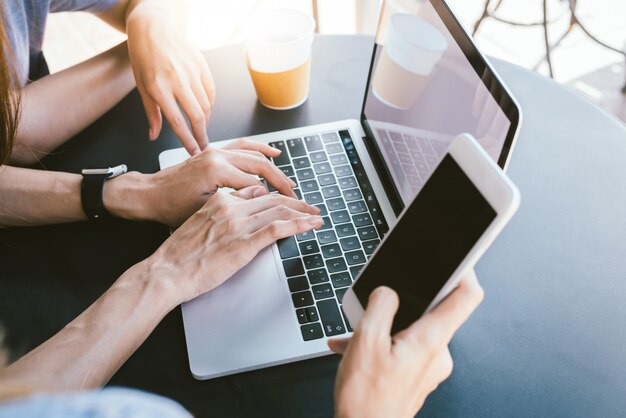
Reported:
(171, 75)
(391, 376)
(224, 236)
(172, 195)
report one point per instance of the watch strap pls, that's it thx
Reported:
(91, 196)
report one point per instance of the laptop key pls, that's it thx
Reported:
(318, 157)
(296, 147)
(345, 230)
(283, 158)
(331, 250)
(347, 182)
(287, 248)
(331, 191)
(341, 279)
(357, 207)
(354, 271)
(323, 291)
(362, 219)
(343, 170)
(313, 143)
(297, 284)
(309, 186)
(313, 262)
(327, 224)
(305, 174)
(350, 243)
(367, 233)
(352, 194)
(331, 317)
(309, 247)
(305, 236)
(323, 210)
(370, 246)
(298, 193)
(330, 137)
(322, 168)
(335, 204)
(327, 180)
(340, 217)
(317, 276)
(302, 299)
(312, 331)
(287, 170)
(311, 314)
(338, 159)
(334, 148)
(313, 198)
(301, 315)
(355, 257)
(303, 162)
(293, 267)
(326, 237)
(335, 265)
(340, 293)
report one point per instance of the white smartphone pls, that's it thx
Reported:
(458, 213)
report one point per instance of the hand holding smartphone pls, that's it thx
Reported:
(459, 212)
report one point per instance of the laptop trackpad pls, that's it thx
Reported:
(245, 322)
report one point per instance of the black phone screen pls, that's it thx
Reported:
(429, 242)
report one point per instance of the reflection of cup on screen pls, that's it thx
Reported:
(278, 49)
(413, 49)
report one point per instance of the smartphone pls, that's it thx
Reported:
(460, 210)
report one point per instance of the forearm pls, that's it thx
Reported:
(91, 348)
(35, 197)
(57, 107)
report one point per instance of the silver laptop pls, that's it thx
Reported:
(428, 83)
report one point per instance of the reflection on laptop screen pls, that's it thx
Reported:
(423, 92)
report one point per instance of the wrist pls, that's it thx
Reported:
(158, 284)
(126, 196)
(165, 278)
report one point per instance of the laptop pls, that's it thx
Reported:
(427, 84)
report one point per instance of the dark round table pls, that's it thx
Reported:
(549, 339)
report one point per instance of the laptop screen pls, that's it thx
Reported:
(428, 84)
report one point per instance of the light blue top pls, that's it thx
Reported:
(107, 403)
(25, 22)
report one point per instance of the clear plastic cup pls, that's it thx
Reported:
(278, 51)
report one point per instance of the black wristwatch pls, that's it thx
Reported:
(91, 190)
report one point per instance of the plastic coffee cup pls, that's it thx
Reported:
(278, 52)
(409, 56)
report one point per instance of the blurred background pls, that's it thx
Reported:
(512, 31)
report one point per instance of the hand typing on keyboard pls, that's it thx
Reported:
(382, 375)
(172, 195)
(225, 235)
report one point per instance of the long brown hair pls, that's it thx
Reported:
(9, 97)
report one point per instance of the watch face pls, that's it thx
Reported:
(111, 171)
(96, 171)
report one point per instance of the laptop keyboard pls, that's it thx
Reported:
(320, 265)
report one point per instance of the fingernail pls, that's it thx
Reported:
(259, 191)
(316, 221)
(151, 134)
(315, 209)
(294, 195)
(292, 183)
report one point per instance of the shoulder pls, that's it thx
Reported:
(109, 403)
